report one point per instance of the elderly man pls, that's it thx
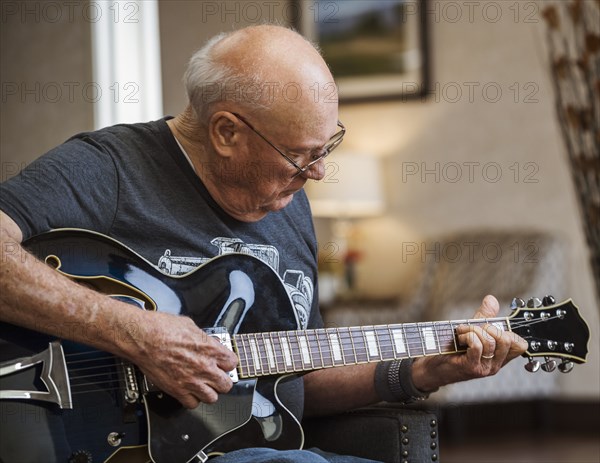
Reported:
(225, 174)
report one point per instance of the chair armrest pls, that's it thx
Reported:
(386, 433)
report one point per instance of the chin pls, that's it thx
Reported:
(280, 203)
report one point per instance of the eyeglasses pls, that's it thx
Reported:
(332, 144)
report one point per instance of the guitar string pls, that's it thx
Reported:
(362, 356)
(415, 342)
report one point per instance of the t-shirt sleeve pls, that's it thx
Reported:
(73, 185)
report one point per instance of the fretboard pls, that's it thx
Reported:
(282, 352)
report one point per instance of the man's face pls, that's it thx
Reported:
(267, 178)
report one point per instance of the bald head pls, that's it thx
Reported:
(262, 68)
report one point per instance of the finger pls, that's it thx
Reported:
(474, 347)
(477, 335)
(489, 307)
(221, 383)
(503, 344)
(517, 347)
(188, 401)
(226, 359)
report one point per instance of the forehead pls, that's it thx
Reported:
(303, 127)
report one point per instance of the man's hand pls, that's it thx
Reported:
(180, 358)
(488, 350)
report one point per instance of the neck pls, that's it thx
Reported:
(209, 167)
(191, 135)
(297, 351)
(189, 132)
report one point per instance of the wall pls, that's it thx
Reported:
(46, 78)
(186, 25)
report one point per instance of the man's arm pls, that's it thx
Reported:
(340, 389)
(175, 354)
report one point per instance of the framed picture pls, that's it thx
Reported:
(376, 49)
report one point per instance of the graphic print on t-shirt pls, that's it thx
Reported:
(299, 286)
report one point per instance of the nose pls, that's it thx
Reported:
(315, 172)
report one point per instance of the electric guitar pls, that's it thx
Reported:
(65, 402)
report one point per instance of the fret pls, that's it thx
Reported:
(255, 355)
(270, 353)
(326, 354)
(452, 345)
(437, 339)
(392, 342)
(414, 339)
(287, 356)
(428, 338)
(386, 347)
(406, 341)
(435, 332)
(277, 351)
(242, 354)
(375, 332)
(295, 350)
(318, 345)
(264, 363)
(336, 351)
(420, 333)
(311, 346)
(251, 358)
(305, 353)
(371, 340)
(360, 344)
(352, 346)
(399, 340)
(453, 330)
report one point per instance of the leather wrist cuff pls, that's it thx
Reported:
(393, 382)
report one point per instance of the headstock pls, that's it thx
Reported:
(551, 330)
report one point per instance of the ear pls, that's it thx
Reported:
(223, 133)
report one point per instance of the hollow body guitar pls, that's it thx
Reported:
(65, 402)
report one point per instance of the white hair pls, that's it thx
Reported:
(208, 80)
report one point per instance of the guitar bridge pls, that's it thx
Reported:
(54, 376)
(132, 390)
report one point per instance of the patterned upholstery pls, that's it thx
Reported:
(455, 274)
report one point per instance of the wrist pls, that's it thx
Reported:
(394, 382)
(422, 378)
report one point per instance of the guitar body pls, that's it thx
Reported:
(109, 421)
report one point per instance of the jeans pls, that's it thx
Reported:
(265, 455)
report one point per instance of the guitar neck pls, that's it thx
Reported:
(281, 352)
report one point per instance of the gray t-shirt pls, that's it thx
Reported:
(132, 182)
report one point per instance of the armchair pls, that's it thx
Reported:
(388, 433)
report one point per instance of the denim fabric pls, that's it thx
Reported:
(265, 455)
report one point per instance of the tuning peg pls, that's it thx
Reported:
(532, 366)
(566, 366)
(549, 365)
(548, 300)
(533, 302)
(517, 303)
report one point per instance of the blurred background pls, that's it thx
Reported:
(454, 172)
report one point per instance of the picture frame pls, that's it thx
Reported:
(377, 50)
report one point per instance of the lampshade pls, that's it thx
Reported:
(351, 188)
